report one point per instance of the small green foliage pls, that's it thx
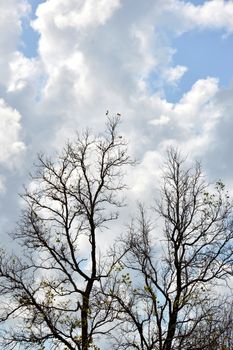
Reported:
(119, 267)
(126, 279)
(150, 291)
(77, 324)
(219, 185)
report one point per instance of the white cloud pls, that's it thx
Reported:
(213, 14)
(89, 13)
(218, 155)
(108, 57)
(162, 120)
(10, 24)
(145, 178)
(191, 110)
(107, 54)
(10, 143)
(217, 14)
(190, 124)
(90, 70)
(2, 185)
(11, 13)
(54, 18)
(22, 69)
(173, 74)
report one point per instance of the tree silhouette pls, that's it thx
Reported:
(51, 294)
(173, 267)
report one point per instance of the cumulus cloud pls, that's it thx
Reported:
(191, 106)
(213, 14)
(22, 70)
(218, 155)
(162, 120)
(10, 142)
(10, 29)
(107, 58)
(87, 13)
(2, 185)
(54, 18)
(217, 14)
(111, 53)
(189, 125)
(116, 55)
(173, 74)
(10, 24)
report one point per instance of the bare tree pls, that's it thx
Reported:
(50, 293)
(214, 330)
(170, 290)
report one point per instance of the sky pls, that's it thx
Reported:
(165, 65)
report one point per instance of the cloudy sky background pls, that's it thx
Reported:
(165, 65)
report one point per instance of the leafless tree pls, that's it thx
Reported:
(50, 295)
(168, 279)
(214, 330)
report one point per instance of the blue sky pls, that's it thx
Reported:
(205, 54)
(166, 65)
(29, 37)
(29, 40)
